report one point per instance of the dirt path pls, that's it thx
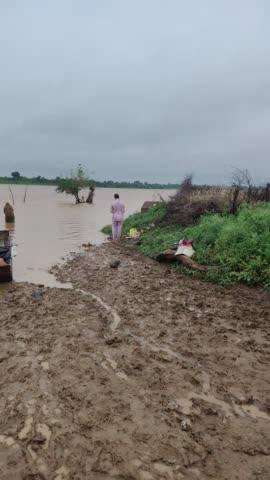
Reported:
(138, 374)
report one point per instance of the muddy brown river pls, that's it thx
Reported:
(50, 225)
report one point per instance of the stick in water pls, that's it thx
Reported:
(11, 195)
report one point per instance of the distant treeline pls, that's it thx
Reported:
(21, 180)
(136, 184)
(28, 181)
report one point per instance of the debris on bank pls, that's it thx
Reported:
(115, 264)
(87, 246)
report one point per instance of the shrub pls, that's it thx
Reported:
(191, 202)
(141, 221)
(145, 221)
(236, 247)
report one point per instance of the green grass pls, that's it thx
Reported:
(141, 221)
(107, 230)
(159, 239)
(236, 247)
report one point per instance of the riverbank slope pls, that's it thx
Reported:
(136, 373)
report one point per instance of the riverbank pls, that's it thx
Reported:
(136, 373)
(234, 248)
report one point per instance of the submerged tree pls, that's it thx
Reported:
(91, 193)
(75, 183)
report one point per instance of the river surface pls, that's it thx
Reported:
(49, 226)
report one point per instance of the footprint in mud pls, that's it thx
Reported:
(157, 470)
(6, 441)
(62, 473)
(250, 407)
(234, 405)
(39, 464)
(23, 434)
(44, 434)
(38, 439)
(110, 364)
(45, 365)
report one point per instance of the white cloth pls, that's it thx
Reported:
(187, 250)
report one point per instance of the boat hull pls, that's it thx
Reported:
(5, 256)
(6, 273)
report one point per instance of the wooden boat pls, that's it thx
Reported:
(5, 256)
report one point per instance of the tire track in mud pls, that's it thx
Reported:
(116, 318)
(229, 409)
(185, 407)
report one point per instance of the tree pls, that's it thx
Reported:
(75, 183)
(15, 175)
(91, 192)
(241, 182)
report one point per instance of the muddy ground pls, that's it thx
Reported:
(137, 373)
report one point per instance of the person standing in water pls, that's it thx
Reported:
(117, 210)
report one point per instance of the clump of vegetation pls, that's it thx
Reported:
(147, 220)
(75, 183)
(243, 190)
(141, 221)
(193, 201)
(189, 203)
(236, 246)
(157, 240)
(107, 230)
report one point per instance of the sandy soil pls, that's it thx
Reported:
(136, 373)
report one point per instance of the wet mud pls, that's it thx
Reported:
(136, 373)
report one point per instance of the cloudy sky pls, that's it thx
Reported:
(135, 89)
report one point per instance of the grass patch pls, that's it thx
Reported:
(107, 230)
(141, 221)
(159, 239)
(237, 247)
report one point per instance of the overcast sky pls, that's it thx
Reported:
(135, 89)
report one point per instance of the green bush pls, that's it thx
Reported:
(141, 221)
(238, 245)
(147, 220)
(107, 230)
(237, 248)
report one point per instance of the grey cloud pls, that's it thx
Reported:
(147, 90)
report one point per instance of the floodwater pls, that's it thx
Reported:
(49, 226)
